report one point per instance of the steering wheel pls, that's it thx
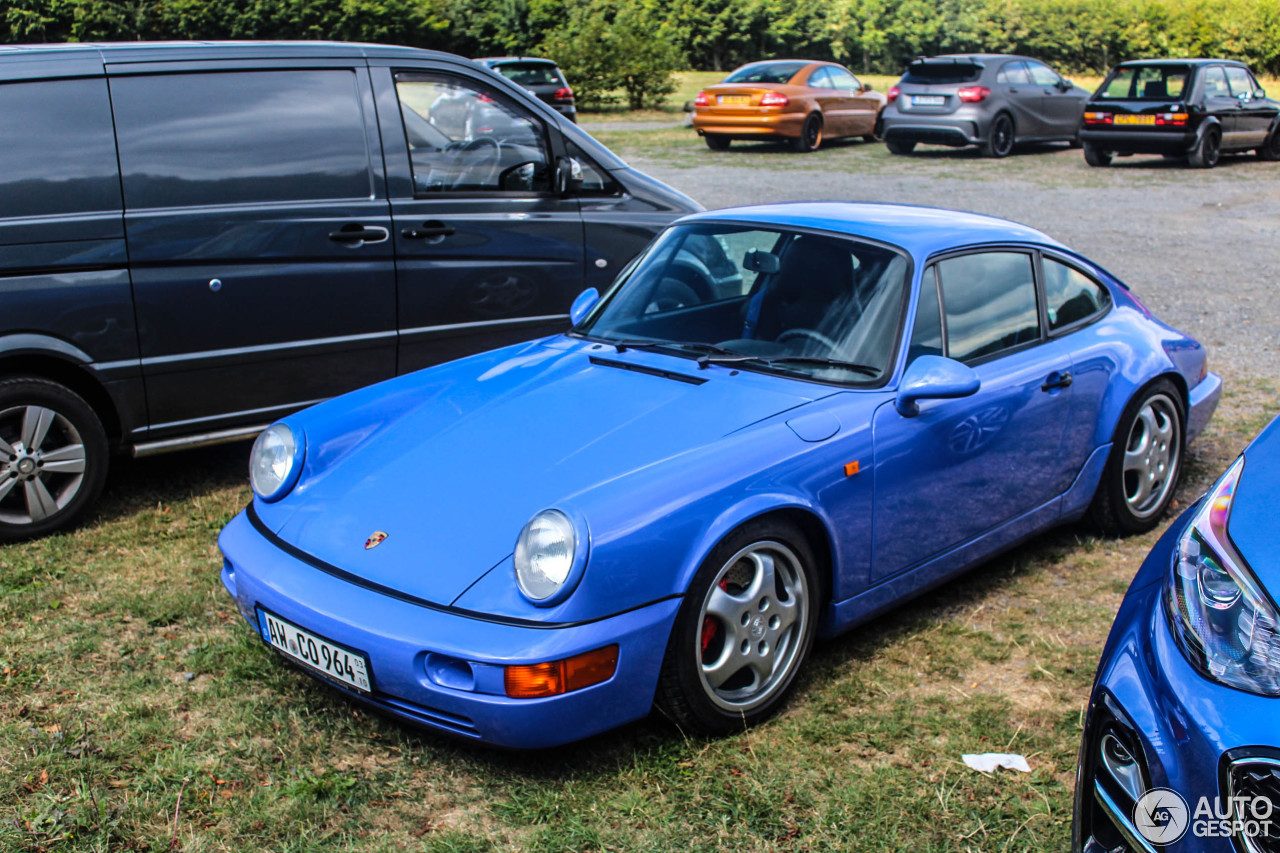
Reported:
(809, 335)
(483, 170)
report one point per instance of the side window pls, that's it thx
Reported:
(1043, 75)
(842, 79)
(595, 181)
(465, 138)
(1070, 295)
(1241, 83)
(990, 303)
(926, 333)
(240, 137)
(1013, 74)
(1215, 83)
(75, 175)
(821, 79)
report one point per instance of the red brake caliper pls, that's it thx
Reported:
(709, 626)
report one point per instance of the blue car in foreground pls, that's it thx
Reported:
(1181, 750)
(778, 422)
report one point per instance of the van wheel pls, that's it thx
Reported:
(53, 457)
(1208, 151)
(743, 632)
(1095, 156)
(1145, 463)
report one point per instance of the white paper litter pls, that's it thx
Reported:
(987, 762)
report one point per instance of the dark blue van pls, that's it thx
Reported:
(198, 238)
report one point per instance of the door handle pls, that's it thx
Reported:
(1057, 380)
(356, 235)
(428, 230)
(1013, 89)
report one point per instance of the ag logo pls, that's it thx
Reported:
(1161, 816)
(375, 540)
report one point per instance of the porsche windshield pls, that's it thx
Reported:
(825, 307)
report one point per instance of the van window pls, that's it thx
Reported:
(57, 154)
(241, 137)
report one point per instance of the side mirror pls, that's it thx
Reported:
(568, 176)
(1261, 93)
(1066, 85)
(582, 306)
(867, 87)
(932, 377)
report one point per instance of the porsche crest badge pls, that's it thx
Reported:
(375, 540)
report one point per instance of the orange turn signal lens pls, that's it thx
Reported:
(536, 680)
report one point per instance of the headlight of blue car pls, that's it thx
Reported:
(275, 462)
(1222, 619)
(548, 557)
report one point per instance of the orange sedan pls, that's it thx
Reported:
(805, 102)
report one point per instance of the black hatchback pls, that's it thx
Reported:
(1193, 108)
(542, 77)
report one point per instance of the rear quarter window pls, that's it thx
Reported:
(57, 151)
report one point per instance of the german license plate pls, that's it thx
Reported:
(315, 652)
(1127, 119)
(735, 99)
(928, 100)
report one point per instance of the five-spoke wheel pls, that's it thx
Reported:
(1146, 459)
(743, 631)
(53, 457)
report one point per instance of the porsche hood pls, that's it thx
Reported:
(437, 472)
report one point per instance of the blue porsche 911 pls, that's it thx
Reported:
(778, 422)
(1181, 750)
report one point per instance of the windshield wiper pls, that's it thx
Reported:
(696, 346)
(770, 361)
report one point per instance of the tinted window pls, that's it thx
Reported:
(765, 72)
(1043, 75)
(1146, 82)
(245, 136)
(990, 303)
(531, 73)
(942, 72)
(1014, 73)
(57, 153)
(926, 335)
(821, 79)
(1070, 295)
(464, 137)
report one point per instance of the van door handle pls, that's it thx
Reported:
(429, 229)
(1057, 380)
(356, 235)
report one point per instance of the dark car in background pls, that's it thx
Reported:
(990, 100)
(1198, 109)
(542, 77)
(237, 231)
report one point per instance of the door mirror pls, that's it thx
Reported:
(568, 176)
(932, 377)
(1260, 93)
(582, 306)
(867, 87)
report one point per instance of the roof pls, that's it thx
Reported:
(1202, 60)
(141, 51)
(921, 231)
(505, 60)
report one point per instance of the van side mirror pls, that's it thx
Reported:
(568, 177)
(582, 306)
(932, 377)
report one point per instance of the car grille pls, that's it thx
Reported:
(1252, 778)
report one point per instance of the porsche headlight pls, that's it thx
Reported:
(275, 462)
(545, 555)
(1219, 614)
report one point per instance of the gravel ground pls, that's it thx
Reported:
(1201, 248)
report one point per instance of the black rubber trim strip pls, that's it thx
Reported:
(343, 575)
(651, 371)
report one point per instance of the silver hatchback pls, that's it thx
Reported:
(988, 100)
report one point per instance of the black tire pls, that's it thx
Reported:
(1075, 142)
(897, 147)
(1000, 137)
(810, 138)
(716, 142)
(752, 634)
(1149, 440)
(1270, 149)
(1095, 156)
(53, 459)
(1207, 151)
